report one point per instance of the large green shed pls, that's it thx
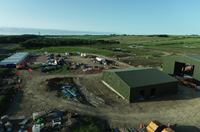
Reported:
(176, 65)
(135, 84)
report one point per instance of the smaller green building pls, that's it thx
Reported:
(176, 65)
(135, 84)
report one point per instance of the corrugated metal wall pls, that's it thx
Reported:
(169, 63)
(116, 83)
(161, 89)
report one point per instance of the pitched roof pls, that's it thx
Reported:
(138, 77)
(14, 59)
(196, 57)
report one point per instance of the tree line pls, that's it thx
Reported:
(16, 38)
(158, 35)
(47, 42)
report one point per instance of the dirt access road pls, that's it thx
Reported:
(182, 109)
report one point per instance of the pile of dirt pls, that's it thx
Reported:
(120, 55)
(47, 86)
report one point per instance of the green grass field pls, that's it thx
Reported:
(135, 39)
(192, 49)
(174, 43)
(87, 37)
(63, 49)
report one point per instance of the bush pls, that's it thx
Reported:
(89, 126)
(5, 99)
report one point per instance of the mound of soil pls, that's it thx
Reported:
(46, 86)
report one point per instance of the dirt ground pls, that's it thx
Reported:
(41, 58)
(181, 109)
(86, 61)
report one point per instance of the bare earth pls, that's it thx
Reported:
(182, 109)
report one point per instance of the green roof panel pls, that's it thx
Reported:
(138, 77)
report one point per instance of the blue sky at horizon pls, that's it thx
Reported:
(117, 16)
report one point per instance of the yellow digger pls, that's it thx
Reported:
(188, 83)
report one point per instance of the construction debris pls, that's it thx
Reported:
(24, 122)
(56, 121)
(7, 123)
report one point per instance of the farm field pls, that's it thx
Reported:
(170, 44)
(135, 39)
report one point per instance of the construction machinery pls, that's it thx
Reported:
(156, 126)
(188, 83)
(22, 64)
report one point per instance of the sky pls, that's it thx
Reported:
(176, 17)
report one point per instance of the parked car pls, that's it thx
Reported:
(50, 61)
(51, 57)
(57, 55)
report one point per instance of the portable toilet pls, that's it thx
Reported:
(36, 128)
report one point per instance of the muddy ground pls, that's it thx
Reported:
(181, 109)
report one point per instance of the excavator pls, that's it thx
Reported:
(22, 64)
(188, 83)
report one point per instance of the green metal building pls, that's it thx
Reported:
(135, 84)
(175, 65)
